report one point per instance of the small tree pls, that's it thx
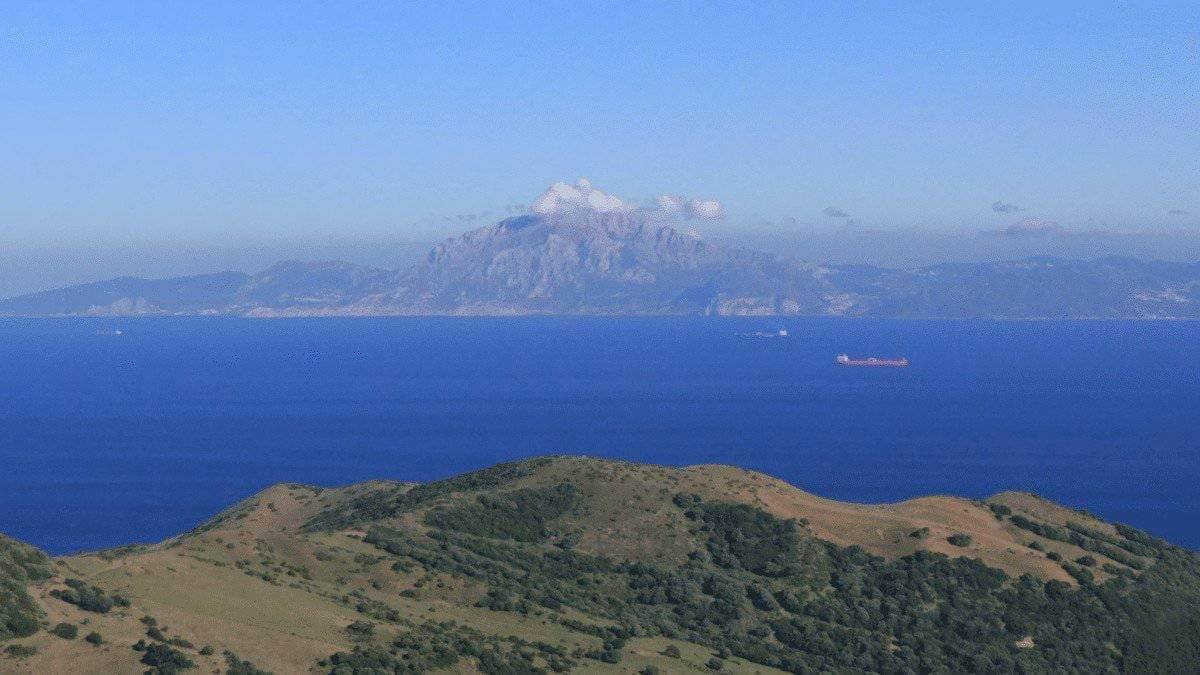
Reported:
(166, 658)
(361, 630)
(20, 651)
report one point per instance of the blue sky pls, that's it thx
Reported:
(138, 123)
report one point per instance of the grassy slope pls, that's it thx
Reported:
(257, 582)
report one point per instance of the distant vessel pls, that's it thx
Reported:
(782, 332)
(843, 360)
(110, 332)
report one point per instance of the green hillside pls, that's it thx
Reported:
(20, 565)
(570, 564)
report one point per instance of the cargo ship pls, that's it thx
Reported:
(843, 360)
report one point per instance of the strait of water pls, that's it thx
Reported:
(112, 439)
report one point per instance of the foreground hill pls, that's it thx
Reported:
(573, 564)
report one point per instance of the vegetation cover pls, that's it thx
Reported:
(19, 566)
(762, 590)
(88, 598)
(580, 565)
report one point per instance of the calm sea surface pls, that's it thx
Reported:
(108, 439)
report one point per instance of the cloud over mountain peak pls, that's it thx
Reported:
(563, 198)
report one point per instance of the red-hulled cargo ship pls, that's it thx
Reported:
(843, 360)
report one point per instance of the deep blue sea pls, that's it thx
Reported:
(108, 439)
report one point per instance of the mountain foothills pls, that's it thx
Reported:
(583, 252)
(562, 564)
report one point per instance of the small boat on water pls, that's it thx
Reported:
(113, 332)
(782, 332)
(843, 360)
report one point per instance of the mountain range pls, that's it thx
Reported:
(635, 261)
(572, 564)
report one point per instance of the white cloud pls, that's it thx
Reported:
(564, 198)
(706, 209)
(1030, 227)
(671, 204)
(560, 198)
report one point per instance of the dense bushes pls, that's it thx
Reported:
(164, 659)
(960, 540)
(19, 566)
(361, 630)
(758, 587)
(439, 646)
(161, 654)
(89, 598)
(236, 666)
(520, 514)
(745, 537)
(20, 651)
(392, 500)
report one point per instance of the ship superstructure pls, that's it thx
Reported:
(844, 360)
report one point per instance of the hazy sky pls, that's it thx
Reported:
(167, 126)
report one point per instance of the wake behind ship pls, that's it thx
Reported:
(843, 360)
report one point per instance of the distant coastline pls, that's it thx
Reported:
(1025, 290)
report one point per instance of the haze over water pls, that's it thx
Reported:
(111, 439)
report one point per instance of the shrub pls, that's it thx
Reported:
(20, 651)
(960, 540)
(1046, 530)
(746, 537)
(1083, 576)
(361, 630)
(919, 534)
(89, 598)
(236, 666)
(1086, 560)
(165, 658)
(521, 514)
(715, 664)
(66, 631)
(19, 565)
(672, 651)
(94, 638)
